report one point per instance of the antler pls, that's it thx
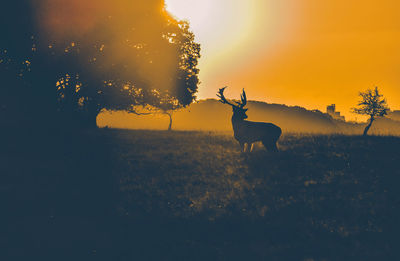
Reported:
(243, 100)
(225, 101)
(222, 98)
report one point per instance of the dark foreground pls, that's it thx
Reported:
(142, 195)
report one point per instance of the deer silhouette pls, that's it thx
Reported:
(248, 132)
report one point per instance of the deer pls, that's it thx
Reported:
(248, 132)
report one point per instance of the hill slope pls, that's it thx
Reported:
(211, 115)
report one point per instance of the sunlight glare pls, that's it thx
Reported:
(224, 28)
(217, 24)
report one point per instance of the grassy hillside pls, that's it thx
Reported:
(211, 115)
(154, 195)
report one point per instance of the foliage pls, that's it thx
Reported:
(135, 55)
(372, 104)
(167, 101)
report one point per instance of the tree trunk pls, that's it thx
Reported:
(170, 121)
(82, 120)
(368, 126)
(91, 121)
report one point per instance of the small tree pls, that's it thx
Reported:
(158, 103)
(372, 104)
(167, 106)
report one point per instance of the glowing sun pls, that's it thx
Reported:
(222, 27)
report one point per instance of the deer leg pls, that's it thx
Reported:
(242, 146)
(270, 146)
(273, 147)
(265, 144)
(251, 147)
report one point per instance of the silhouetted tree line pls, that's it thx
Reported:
(62, 62)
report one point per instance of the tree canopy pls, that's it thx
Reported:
(372, 104)
(77, 58)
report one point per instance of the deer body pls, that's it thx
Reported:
(248, 132)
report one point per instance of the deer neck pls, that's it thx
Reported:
(236, 122)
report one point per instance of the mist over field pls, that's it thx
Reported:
(211, 115)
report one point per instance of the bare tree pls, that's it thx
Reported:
(372, 104)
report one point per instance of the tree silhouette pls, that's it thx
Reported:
(372, 104)
(123, 54)
(184, 85)
(161, 103)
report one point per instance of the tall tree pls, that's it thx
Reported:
(183, 87)
(86, 56)
(372, 104)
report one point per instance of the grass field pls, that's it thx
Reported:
(154, 195)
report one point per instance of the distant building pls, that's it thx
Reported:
(331, 110)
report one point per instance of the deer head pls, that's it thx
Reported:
(238, 109)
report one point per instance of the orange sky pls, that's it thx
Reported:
(299, 52)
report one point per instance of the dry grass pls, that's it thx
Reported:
(328, 195)
(194, 196)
